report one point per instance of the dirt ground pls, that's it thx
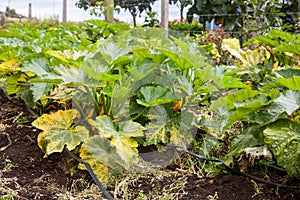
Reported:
(25, 174)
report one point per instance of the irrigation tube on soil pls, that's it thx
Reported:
(91, 172)
(235, 171)
(109, 197)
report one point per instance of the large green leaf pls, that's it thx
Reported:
(12, 83)
(72, 74)
(41, 67)
(289, 100)
(290, 83)
(138, 76)
(231, 99)
(185, 55)
(251, 137)
(232, 82)
(239, 114)
(121, 136)
(268, 114)
(191, 53)
(39, 89)
(283, 138)
(59, 131)
(112, 52)
(154, 95)
(96, 70)
(238, 107)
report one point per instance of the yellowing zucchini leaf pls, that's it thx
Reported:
(176, 137)
(96, 156)
(282, 137)
(183, 133)
(59, 131)
(155, 130)
(120, 136)
(249, 58)
(10, 66)
(58, 55)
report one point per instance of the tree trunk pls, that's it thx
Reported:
(165, 17)
(29, 12)
(134, 19)
(109, 10)
(64, 17)
(181, 13)
(3, 19)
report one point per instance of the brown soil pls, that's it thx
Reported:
(25, 174)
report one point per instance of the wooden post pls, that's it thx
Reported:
(165, 17)
(298, 10)
(30, 12)
(3, 19)
(109, 10)
(64, 17)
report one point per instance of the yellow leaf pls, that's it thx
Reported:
(22, 78)
(120, 137)
(180, 138)
(156, 130)
(177, 105)
(100, 169)
(10, 66)
(275, 66)
(59, 131)
(248, 58)
(248, 83)
(58, 55)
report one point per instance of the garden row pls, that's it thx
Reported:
(105, 91)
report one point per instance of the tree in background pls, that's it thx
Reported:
(135, 7)
(224, 12)
(98, 7)
(292, 10)
(12, 13)
(150, 19)
(181, 4)
(247, 16)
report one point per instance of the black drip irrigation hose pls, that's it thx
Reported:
(260, 180)
(92, 174)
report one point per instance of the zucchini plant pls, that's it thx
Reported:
(270, 107)
(119, 92)
(128, 91)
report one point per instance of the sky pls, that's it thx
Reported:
(43, 9)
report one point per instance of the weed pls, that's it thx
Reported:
(72, 170)
(8, 164)
(257, 189)
(213, 197)
(7, 197)
(31, 159)
(22, 120)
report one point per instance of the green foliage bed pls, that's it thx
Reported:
(116, 89)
